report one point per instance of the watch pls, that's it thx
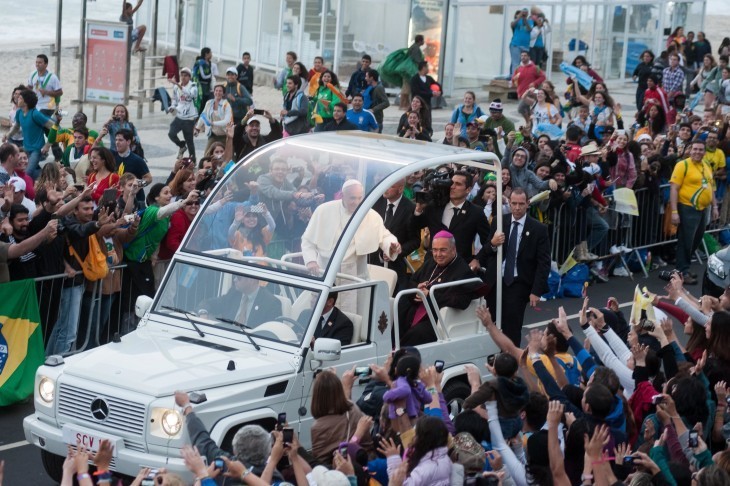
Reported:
(400, 411)
(535, 356)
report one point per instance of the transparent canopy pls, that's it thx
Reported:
(258, 214)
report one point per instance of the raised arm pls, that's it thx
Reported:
(500, 339)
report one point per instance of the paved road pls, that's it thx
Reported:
(23, 463)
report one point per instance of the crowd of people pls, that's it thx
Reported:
(634, 404)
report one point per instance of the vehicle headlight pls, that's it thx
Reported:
(171, 422)
(46, 389)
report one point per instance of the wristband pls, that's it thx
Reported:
(246, 473)
(583, 477)
(200, 478)
(431, 389)
(675, 212)
(355, 439)
(80, 477)
(101, 472)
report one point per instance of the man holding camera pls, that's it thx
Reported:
(128, 161)
(691, 193)
(252, 139)
(459, 217)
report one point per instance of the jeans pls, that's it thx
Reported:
(90, 307)
(689, 234)
(597, 227)
(187, 127)
(34, 164)
(55, 148)
(63, 336)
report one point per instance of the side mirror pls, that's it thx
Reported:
(142, 305)
(327, 349)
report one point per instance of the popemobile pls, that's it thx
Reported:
(190, 336)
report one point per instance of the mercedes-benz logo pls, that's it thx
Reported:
(99, 409)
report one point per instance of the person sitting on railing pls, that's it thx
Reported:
(445, 266)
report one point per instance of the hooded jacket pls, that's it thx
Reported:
(522, 176)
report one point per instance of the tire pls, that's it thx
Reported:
(455, 392)
(53, 465)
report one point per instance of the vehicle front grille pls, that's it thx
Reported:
(123, 415)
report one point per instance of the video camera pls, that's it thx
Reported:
(435, 188)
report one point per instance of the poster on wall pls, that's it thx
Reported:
(107, 62)
(427, 19)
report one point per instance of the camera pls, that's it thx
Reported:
(657, 399)
(343, 449)
(436, 187)
(363, 371)
(206, 182)
(666, 275)
(287, 435)
(439, 365)
(281, 421)
(628, 461)
(220, 464)
(694, 438)
(149, 480)
(646, 325)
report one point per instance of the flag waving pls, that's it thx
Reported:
(21, 340)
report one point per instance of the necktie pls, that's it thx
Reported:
(456, 211)
(511, 258)
(243, 310)
(320, 327)
(389, 213)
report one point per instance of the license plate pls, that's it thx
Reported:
(90, 440)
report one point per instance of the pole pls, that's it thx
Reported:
(82, 55)
(178, 32)
(155, 12)
(59, 19)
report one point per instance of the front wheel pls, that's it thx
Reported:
(455, 392)
(53, 465)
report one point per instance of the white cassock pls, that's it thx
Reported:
(324, 231)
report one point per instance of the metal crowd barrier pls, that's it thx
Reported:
(103, 313)
(642, 232)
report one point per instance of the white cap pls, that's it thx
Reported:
(18, 183)
(231, 70)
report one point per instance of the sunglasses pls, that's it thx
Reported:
(192, 203)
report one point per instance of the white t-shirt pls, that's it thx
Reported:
(543, 114)
(48, 82)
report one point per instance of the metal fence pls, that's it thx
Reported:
(103, 312)
(568, 226)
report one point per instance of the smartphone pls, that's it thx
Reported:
(128, 218)
(657, 399)
(149, 480)
(288, 435)
(490, 359)
(79, 187)
(281, 421)
(628, 461)
(256, 111)
(694, 438)
(220, 465)
(343, 449)
(363, 371)
(439, 365)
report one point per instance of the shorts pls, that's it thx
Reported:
(135, 34)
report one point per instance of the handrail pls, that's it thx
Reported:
(432, 296)
(396, 317)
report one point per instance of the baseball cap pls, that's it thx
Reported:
(257, 118)
(18, 183)
(186, 70)
(231, 70)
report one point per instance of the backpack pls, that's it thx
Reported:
(465, 450)
(49, 75)
(137, 150)
(94, 265)
(574, 280)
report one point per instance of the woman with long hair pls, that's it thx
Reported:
(215, 117)
(708, 64)
(718, 347)
(641, 73)
(327, 96)
(335, 418)
(653, 122)
(414, 130)
(677, 37)
(467, 111)
(427, 462)
(120, 121)
(299, 69)
(294, 109)
(424, 115)
(620, 160)
(203, 75)
(182, 184)
(252, 229)
(544, 111)
(104, 175)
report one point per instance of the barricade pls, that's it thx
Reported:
(101, 315)
(644, 232)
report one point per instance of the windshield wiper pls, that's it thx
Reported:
(187, 316)
(242, 327)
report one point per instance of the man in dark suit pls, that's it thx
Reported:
(525, 265)
(397, 214)
(459, 217)
(421, 83)
(333, 323)
(246, 302)
(415, 327)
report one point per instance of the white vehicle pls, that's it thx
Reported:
(187, 338)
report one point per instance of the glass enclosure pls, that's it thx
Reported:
(263, 224)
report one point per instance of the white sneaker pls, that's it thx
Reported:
(658, 261)
(621, 272)
(615, 250)
(625, 249)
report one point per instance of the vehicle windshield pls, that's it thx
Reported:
(259, 213)
(225, 300)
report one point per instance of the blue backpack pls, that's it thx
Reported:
(574, 280)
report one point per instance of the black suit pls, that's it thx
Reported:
(409, 237)
(418, 87)
(458, 297)
(338, 326)
(465, 226)
(533, 269)
(266, 307)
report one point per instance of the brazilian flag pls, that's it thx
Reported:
(21, 340)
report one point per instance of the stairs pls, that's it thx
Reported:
(314, 44)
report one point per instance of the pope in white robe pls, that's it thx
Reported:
(325, 228)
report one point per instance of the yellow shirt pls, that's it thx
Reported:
(695, 183)
(716, 160)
